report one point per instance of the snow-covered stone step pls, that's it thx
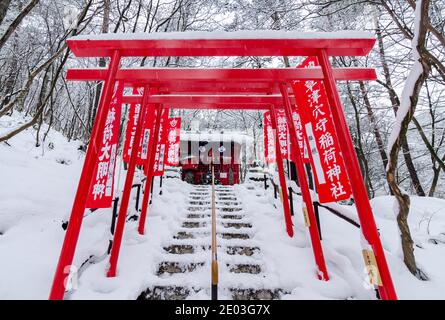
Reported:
(219, 219)
(235, 236)
(178, 267)
(181, 248)
(257, 294)
(204, 257)
(219, 230)
(202, 224)
(200, 195)
(229, 209)
(244, 268)
(227, 198)
(198, 208)
(193, 224)
(172, 292)
(174, 267)
(225, 203)
(223, 207)
(208, 210)
(232, 216)
(223, 235)
(242, 250)
(205, 241)
(207, 202)
(196, 215)
(167, 293)
(226, 223)
(236, 225)
(196, 198)
(230, 250)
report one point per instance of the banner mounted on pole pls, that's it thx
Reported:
(102, 185)
(300, 138)
(147, 128)
(269, 139)
(158, 166)
(173, 141)
(283, 134)
(325, 156)
(133, 115)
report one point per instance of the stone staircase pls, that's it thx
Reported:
(185, 267)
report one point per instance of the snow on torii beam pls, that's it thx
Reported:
(238, 43)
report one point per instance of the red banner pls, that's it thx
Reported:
(300, 137)
(282, 129)
(325, 156)
(133, 115)
(158, 166)
(147, 128)
(102, 185)
(173, 141)
(269, 139)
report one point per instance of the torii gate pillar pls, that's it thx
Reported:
(367, 222)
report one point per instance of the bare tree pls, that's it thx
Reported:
(408, 103)
(14, 24)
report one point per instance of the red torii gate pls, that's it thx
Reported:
(265, 89)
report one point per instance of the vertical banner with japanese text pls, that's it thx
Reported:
(147, 128)
(282, 129)
(133, 115)
(300, 137)
(101, 190)
(173, 141)
(269, 140)
(325, 156)
(158, 165)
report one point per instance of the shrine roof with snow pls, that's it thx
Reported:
(225, 136)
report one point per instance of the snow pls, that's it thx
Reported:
(36, 194)
(243, 34)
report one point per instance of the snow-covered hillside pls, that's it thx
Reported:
(37, 187)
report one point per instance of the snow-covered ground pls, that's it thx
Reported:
(37, 187)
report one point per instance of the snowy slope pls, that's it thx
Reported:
(36, 193)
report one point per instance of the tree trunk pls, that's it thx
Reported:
(436, 174)
(410, 96)
(4, 5)
(395, 105)
(15, 23)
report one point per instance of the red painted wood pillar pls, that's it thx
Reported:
(279, 160)
(305, 192)
(90, 163)
(367, 222)
(154, 138)
(120, 224)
